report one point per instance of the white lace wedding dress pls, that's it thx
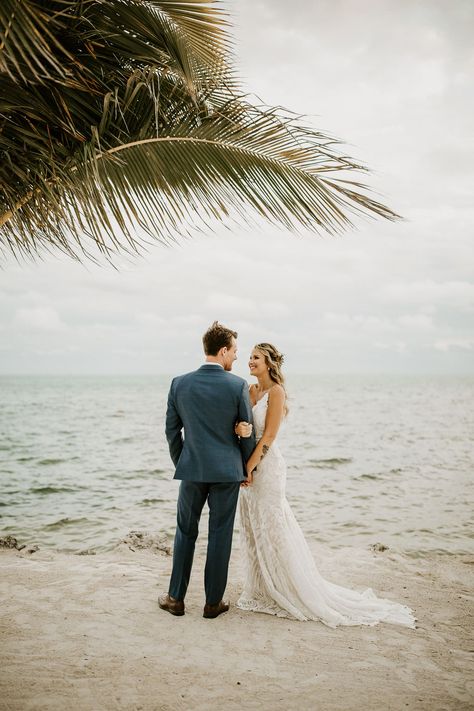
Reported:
(281, 577)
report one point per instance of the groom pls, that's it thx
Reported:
(209, 461)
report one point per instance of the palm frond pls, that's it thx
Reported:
(124, 114)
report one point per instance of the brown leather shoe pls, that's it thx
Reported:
(211, 611)
(168, 603)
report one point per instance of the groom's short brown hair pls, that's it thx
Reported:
(216, 337)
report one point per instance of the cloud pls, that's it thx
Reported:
(448, 344)
(40, 318)
(243, 307)
(428, 293)
(150, 319)
(230, 304)
(417, 321)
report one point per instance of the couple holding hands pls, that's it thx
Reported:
(222, 437)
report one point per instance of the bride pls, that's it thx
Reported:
(281, 577)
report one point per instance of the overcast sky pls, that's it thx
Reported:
(393, 78)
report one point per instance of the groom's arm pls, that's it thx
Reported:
(174, 426)
(247, 444)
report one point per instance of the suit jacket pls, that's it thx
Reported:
(207, 403)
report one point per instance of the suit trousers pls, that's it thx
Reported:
(222, 500)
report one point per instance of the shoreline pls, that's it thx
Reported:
(85, 632)
(162, 540)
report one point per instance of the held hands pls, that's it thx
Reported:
(249, 480)
(243, 429)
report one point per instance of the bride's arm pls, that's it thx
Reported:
(244, 429)
(276, 406)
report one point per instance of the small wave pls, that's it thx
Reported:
(24, 459)
(123, 440)
(147, 502)
(330, 463)
(140, 474)
(47, 462)
(64, 522)
(378, 475)
(51, 489)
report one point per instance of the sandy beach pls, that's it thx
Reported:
(84, 632)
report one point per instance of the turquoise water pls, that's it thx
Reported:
(84, 460)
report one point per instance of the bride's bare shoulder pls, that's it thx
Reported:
(276, 397)
(277, 391)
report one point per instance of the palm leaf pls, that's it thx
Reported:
(120, 119)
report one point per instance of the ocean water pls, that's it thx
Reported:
(84, 460)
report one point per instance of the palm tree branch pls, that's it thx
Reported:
(164, 184)
(124, 114)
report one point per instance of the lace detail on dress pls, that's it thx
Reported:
(280, 575)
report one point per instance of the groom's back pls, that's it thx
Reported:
(208, 402)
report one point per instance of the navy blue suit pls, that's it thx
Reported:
(209, 461)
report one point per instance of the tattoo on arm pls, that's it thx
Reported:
(264, 451)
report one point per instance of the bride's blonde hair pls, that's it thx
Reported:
(274, 360)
